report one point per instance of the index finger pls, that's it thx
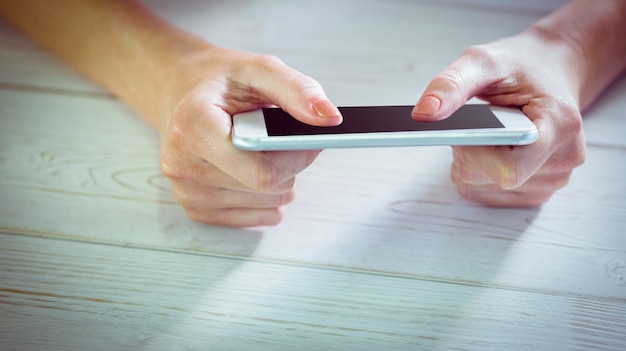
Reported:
(299, 95)
(474, 71)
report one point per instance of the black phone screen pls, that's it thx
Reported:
(377, 119)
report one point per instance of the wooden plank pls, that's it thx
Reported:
(63, 295)
(26, 65)
(369, 257)
(99, 181)
(358, 47)
(385, 55)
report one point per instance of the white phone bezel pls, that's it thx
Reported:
(250, 133)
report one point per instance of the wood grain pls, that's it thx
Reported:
(71, 295)
(377, 252)
(400, 217)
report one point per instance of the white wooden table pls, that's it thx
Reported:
(378, 252)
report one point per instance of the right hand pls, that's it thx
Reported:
(215, 182)
(509, 72)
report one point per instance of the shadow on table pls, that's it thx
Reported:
(430, 255)
(435, 238)
(433, 253)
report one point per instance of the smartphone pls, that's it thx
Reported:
(382, 126)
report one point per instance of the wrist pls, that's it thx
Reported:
(589, 33)
(165, 71)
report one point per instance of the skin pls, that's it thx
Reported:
(188, 89)
(552, 71)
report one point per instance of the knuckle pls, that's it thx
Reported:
(302, 83)
(482, 56)
(169, 168)
(266, 61)
(539, 199)
(180, 196)
(218, 216)
(170, 161)
(197, 216)
(208, 217)
(264, 178)
(273, 219)
(451, 79)
(295, 80)
(284, 187)
(301, 88)
(579, 159)
(480, 52)
(572, 129)
(573, 120)
(286, 79)
(579, 150)
(189, 106)
(511, 175)
(230, 218)
(572, 149)
(462, 190)
(175, 166)
(466, 174)
(259, 63)
(559, 181)
(287, 198)
(577, 153)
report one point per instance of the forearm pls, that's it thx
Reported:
(594, 32)
(118, 44)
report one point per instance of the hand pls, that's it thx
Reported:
(215, 182)
(530, 72)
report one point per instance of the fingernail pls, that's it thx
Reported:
(326, 109)
(427, 106)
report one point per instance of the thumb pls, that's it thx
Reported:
(466, 77)
(299, 95)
